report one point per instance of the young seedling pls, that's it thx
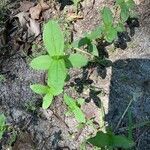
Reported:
(74, 108)
(126, 7)
(109, 28)
(56, 63)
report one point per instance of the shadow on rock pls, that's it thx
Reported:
(130, 86)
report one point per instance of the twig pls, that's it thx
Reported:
(80, 50)
(124, 114)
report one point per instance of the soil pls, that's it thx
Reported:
(126, 81)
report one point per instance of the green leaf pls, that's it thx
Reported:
(122, 142)
(110, 140)
(53, 39)
(79, 115)
(107, 16)
(71, 103)
(80, 101)
(39, 89)
(41, 63)
(130, 4)
(81, 42)
(57, 74)
(77, 60)
(120, 27)
(124, 13)
(93, 49)
(100, 140)
(47, 100)
(95, 34)
(120, 2)
(55, 91)
(111, 34)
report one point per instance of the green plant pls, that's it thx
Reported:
(126, 7)
(109, 28)
(74, 107)
(2, 125)
(56, 63)
(110, 141)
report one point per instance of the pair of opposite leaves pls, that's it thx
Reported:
(55, 62)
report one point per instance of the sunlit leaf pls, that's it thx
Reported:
(47, 100)
(120, 2)
(107, 16)
(124, 13)
(53, 39)
(57, 74)
(79, 115)
(39, 89)
(120, 27)
(96, 33)
(111, 34)
(73, 107)
(130, 4)
(78, 60)
(41, 63)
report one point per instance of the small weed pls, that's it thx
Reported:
(57, 63)
(75, 109)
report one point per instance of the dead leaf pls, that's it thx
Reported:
(35, 11)
(138, 1)
(73, 17)
(23, 17)
(44, 6)
(26, 5)
(33, 27)
(91, 111)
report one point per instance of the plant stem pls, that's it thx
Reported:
(80, 50)
(124, 114)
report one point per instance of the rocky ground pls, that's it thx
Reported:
(126, 83)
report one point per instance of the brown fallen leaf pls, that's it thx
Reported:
(91, 111)
(35, 11)
(33, 27)
(44, 6)
(25, 5)
(23, 17)
(138, 1)
(73, 17)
